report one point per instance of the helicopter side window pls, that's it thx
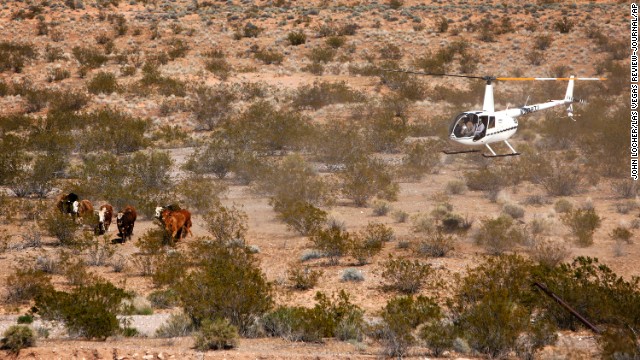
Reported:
(492, 122)
(463, 126)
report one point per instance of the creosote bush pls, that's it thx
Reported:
(18, 337)
(499, 235)
(303, 278)
(405, 275)
(216, 335)
(103, 83)
(333, 241)
(583, 223)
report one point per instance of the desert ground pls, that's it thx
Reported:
(182, 38)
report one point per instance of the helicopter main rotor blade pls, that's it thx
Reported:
(434, 74)
(546, 79)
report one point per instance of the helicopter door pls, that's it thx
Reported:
(484, 120)
(463, 125)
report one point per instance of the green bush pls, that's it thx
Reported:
(219, 67)
(113, 130)
(335, 42)
(212, 105)
(368, 242)
(18, 337)
(582, 223)
(300, 216)
(14, 55)
(401, 315)
(216, 335)
(88, 311)
(405, 275)
(422, 157)
(303, 278)
(333, 241)
(227, 224)
(499, 235)
(322, 93)
(297, 38)
(61, 226)
(177, 48)
(230, 280)
(200, 192)
(322, 54)
(339, 142)
(563, 25)
(269, 56)
(26, 284)
(103, 83)
(89, 57)
(436, 244)
(177, 325)
(365, 178)
(163, 299)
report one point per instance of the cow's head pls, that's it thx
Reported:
(75, 206)
(159, 212)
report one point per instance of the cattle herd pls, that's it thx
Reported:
(175, 221)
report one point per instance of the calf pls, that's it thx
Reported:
(105, 214)
(174, 223)
(125, 221)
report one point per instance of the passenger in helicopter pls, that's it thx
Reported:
(479, 131)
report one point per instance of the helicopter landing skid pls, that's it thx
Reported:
(494, 155)
(502, 155)
(453, 152)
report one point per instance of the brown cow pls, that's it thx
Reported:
(164, 212)
(125, 220)
(105, 214)
(83, 209)
(174, 223)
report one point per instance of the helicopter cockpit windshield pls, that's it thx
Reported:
(463, 125)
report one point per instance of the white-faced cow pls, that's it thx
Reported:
(64, 202)
(175, 220)
(83, 210)
(125, 221)
(105, 214)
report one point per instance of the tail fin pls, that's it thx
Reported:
(568, 97)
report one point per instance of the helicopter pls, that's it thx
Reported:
(487, 126)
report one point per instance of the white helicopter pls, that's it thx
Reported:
(487, 126)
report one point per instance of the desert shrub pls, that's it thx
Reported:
(58, 74)
(625, 189)
(301, 216)
(499, 235)
(303, 278)
(89, 57)
(438, 336)
(365, 178)
(513, 210)
(322, 54)
(269, 56)
(451, 222)
(339, 142)
(364, 246)
(103, 83)
(230, 280)
(348, 29)
(400, 216)
(549, 254)
(381, 208)
(170, 267)
(437, 62)
(562, 181)
(335, 316)
(88, 311)
(436, 244)
(25, 319)
(52, 54)
(177, 325)
(621, 233)
(535, 57)
(332, 241)
(401, 315)
(335, 42)
(321, 94)
(264, 128)
(543, 41)
(14, 55)
(61, 226)
(211, 105)
(563, 25)
(17, 337)
(582, 223)
(227, 224)
(422, 157)
(497, 308)
(456, 187)
(563, 206)
(177, 48)
(152, 80)
(113, 130)
(405, 275)
(220, 67)
(619, 342)
(297, 38)
(486, 179)
(624, 207)
(26, 284)
(163, 299)
(351, 274)
(405, 86)
(249, 31)
(442, 25)
(200, 192)
(216, 335)
(66, 101)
